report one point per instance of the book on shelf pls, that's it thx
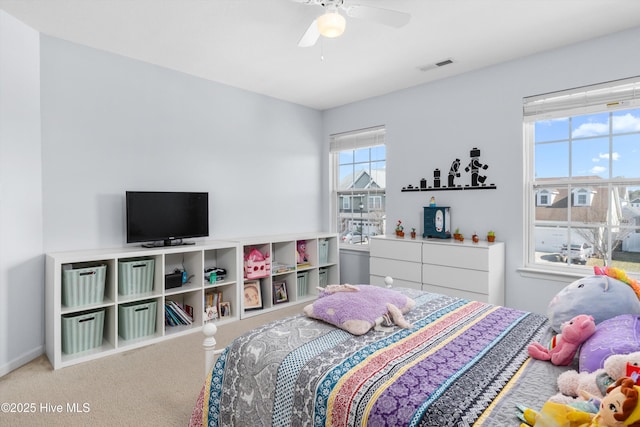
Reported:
(189, 310)
(176, 314)
(168, 320)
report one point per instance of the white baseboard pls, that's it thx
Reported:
(22, 360)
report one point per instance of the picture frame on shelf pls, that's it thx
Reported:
(252, 295)
(279, 292)
(225, 309)
(211, 313)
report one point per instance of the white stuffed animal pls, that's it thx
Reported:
(576, 384)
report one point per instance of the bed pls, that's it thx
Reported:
(462, 363)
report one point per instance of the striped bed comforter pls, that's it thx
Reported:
(463, 363)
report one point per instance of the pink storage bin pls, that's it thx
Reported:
(256, 265)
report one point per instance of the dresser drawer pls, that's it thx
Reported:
(456, 293)
(397, 283)
(457, 278)
(405, 250)
(404, 270)
(456, 255)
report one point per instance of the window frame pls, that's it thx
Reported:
(356, 140)
(596, 99)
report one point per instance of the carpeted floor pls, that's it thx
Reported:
(155, 385)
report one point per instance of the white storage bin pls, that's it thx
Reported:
(82, 331)
(83, 286)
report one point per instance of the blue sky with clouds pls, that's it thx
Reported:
(587, 140)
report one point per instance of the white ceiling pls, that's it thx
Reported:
(252, 44)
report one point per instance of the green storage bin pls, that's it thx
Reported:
(323, 251)
(83, 286)
(323, 277)
(303, 283)
(137, 319)
(82, 331)
(135, 276)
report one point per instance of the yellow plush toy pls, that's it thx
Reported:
(554, 414)
(619, 408)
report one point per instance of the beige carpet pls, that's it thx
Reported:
(155, 385)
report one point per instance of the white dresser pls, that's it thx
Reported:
(467, 270)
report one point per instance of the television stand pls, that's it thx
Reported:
(164, 243)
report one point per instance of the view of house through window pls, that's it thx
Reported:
(358, 162)
(584, 177)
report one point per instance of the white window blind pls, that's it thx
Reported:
(357, 139)
(619, 94)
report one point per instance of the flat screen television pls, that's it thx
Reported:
(164, 218)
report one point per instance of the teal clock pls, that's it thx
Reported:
(437, 222)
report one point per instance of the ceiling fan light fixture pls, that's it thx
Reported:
(331, 24)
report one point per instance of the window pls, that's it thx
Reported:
(545, 197)
(582, 197)
(358, 163)
(583, 177)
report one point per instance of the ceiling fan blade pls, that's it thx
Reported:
(392, 18)
(310, 37)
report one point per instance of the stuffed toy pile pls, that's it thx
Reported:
(611, 299)
(620, 407)
(597, 321)
(573, 384)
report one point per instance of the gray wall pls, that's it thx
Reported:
(430, 125)
(21, 255)
(354, 266)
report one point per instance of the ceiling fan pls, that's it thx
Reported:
(332, 23)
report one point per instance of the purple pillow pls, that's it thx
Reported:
(618, 335)
(357, 312)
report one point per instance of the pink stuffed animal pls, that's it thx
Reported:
(564, 346)
(301, 252)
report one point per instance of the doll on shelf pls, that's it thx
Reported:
(303, 257)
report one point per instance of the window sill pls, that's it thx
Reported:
(546, 274)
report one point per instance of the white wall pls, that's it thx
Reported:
(21, 255)
(430, 125)
(111, 124)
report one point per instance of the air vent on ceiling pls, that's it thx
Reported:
(436, 65)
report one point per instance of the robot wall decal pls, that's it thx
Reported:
(475, 166)
(474, 169)
(454, 172)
